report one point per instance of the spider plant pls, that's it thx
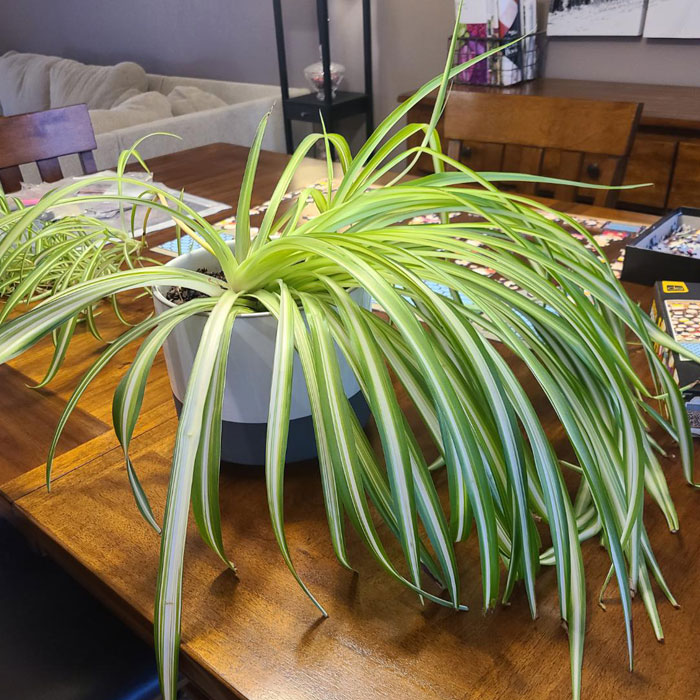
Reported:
(50, 256)
(569, 323)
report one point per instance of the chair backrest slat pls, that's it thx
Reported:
(568, 168)
(524, 159)
(43, 137)
(10, 178)
(49, 169)
(528, 129)
(87, 162)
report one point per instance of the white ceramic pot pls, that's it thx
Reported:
(248, 377)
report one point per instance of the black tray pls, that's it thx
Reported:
(646, 266)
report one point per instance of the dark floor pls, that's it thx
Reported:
(56, 641)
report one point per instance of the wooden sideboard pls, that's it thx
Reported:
(666, 150)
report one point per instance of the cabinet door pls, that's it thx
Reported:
(685, 188)
(651, 160)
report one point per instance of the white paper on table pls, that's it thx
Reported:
(113, 213)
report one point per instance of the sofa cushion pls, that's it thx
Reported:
(24, 82)
(131, 92)
(140, 108)
(185, 99)
(99, 87)
(229, 92)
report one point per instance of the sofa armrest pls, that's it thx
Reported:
(232, 124)
(230, 92)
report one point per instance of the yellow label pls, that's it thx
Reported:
(674, 287)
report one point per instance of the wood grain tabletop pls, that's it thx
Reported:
(257, 636)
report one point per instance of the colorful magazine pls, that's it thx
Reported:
(485, 24)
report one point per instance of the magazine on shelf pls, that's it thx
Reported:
(484, 24)
(528, 21)
(511, 58)
(477, 30)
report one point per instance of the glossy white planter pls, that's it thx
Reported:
(248, 377)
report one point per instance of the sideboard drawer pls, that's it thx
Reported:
(651, 160)
(685, 188)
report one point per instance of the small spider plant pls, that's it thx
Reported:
(569, 322)
(50, 256)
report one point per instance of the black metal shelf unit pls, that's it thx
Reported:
(309, 108)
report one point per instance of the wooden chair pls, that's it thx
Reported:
(582, 140)
(41, 138)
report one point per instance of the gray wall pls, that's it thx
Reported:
(633, 60)
(234, 40)
(228, 39)
(622, 59)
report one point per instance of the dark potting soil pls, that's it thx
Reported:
(179, 295)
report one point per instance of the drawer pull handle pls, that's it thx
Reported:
(466, 152)
(593, 171)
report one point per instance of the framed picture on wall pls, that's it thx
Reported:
(596, 17)
(673, 19)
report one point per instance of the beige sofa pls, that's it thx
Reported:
(126, 103)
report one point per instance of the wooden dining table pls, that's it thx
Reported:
(255, 635)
